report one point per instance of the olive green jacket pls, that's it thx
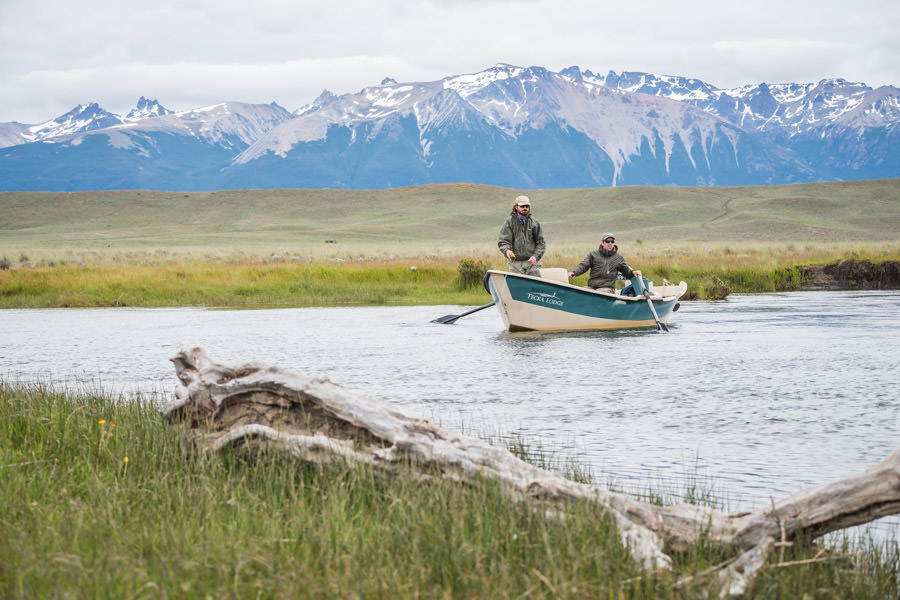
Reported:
(604, 267)
(524, 238)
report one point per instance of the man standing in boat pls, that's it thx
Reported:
(605, 263)
(521, 239)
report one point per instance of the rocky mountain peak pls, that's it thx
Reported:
(147, 109)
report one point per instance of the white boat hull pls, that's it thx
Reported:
(544, 303)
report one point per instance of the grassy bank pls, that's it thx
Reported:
(102, 500)
(153, 279)
(233, 285)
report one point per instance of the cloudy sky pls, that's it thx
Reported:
(56, 54)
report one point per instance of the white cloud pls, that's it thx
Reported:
(55, 54)
(755, 57)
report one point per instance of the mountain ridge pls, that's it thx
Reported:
(506, 125)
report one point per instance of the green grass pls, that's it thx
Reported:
(235, 285)
(102, 500)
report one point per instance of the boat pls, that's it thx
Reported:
(551, 303)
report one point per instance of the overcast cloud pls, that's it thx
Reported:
(56, 54)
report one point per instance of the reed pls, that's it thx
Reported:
(102, 500)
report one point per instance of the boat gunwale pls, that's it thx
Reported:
(584, 289)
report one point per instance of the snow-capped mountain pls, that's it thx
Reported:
(172, 151)
(507, 125)
(527, 127)
(245, 121)
(783, 110)
(230, 125)
(84, 117)
(844, 130)
(146, 109)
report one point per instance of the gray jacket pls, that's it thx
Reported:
(524, 238)
(604, 266)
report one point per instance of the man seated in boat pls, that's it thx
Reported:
(521, 239)
(605, 263)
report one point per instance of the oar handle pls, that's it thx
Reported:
(469, 312)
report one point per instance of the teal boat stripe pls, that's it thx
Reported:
(583, 302)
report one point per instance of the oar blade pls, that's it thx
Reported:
(449, 319)
(446, 319)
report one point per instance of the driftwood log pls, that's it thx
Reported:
(320, 422)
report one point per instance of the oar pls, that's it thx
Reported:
(638, 283)
(450, 319)
(659, 324)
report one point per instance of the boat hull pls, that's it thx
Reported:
(529, 303)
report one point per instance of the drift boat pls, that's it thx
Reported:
(551, 303)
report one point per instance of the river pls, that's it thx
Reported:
(752, 398)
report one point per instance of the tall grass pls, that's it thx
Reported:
(152, 279)
(100, 499)
(234, 285)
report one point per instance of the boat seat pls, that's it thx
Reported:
(555, 274)
(664, 290)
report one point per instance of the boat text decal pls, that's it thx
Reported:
(544, 298)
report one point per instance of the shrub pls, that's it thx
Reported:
(789, 278)
(4, 264)
(718, 289)
(471, 272)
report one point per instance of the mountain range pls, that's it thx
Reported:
(508, 126)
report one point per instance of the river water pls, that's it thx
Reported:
(752, 398)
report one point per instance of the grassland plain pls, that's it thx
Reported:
(313, 247)
(102, 499)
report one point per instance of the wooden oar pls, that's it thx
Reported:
(449, 319)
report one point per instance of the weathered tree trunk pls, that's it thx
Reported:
(320, 422)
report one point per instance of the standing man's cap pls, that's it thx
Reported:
(523, 201)
(607, 235)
